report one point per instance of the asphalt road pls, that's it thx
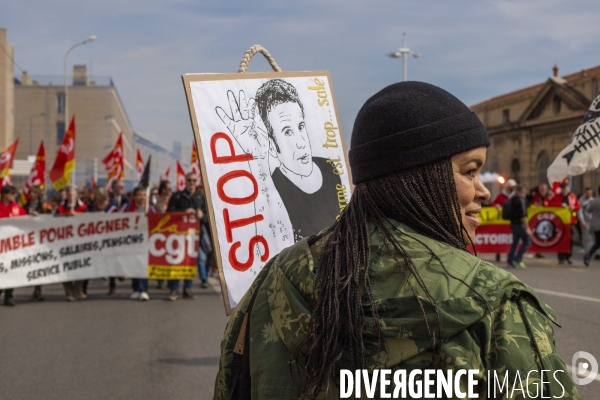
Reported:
(110, 347)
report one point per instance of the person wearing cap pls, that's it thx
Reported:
(9, 208)
(506, 193)
(392, 284)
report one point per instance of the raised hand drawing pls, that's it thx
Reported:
(244, 123)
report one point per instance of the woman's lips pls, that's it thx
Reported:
(473, 219)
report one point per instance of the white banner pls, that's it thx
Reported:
(274, 164)
(47, 249)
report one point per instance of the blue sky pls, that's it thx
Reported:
(476, 49)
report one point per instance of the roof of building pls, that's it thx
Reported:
(532, 90)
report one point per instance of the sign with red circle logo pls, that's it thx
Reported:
(547, 229)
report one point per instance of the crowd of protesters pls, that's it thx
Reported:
(71, 201)
(585, 218)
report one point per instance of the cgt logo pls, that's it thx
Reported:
(580, 368)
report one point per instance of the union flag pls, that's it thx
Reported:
(6, 159)
(113, 163)
(139, 164)
(37, 175)
(166, 175)
(195, 162)
(64, 163)
(180, 185)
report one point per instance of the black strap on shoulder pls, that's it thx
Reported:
(240, 387)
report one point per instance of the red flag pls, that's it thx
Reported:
(195, 162)
(64, 163)
(37, 176)
(180, 178)
(6, 159)
(113, 163)
(94, 183)
(166, 175)
(139, 164)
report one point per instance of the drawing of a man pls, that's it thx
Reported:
(306, 184)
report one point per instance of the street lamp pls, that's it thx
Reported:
(403, 53)
(31, 117)
(89, 39)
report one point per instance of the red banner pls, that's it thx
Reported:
(173, 246)
(550, 231)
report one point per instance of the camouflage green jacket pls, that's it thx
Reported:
(511, 335)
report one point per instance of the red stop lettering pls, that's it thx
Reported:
(243, 266)
(237, 223)
(237, 200)
(232, 157)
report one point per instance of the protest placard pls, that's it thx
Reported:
(273, 164)
(550, 230)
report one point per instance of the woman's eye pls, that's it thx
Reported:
(301, 127)
(472, 173)
(288, 132)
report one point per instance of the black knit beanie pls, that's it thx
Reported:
(408, 124)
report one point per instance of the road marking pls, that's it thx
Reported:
(571, 296)
(570, 369)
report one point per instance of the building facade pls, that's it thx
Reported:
(6, 92)
(99, 119)
(528, 128)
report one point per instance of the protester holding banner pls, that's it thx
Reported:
(36, 206)
(102, 204)
(138, 205)
(192, 201)
(519, 226)
(568, 200)
(72, 205)
(544, 197)
(117, 195)
(392, 284)
(9, 209)
(164, 195)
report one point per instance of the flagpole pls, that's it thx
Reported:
(67, 119)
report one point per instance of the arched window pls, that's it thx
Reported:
(543, 162)
(515, 168)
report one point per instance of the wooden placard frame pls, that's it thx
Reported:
(189, 78)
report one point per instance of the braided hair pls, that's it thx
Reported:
(425, 198)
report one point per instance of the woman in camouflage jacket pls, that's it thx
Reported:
(393, 283)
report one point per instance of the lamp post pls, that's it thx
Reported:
(403, 53)
(67, 120)
(31, 117)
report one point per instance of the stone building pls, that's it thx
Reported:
(529, 127)
(99, 118)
